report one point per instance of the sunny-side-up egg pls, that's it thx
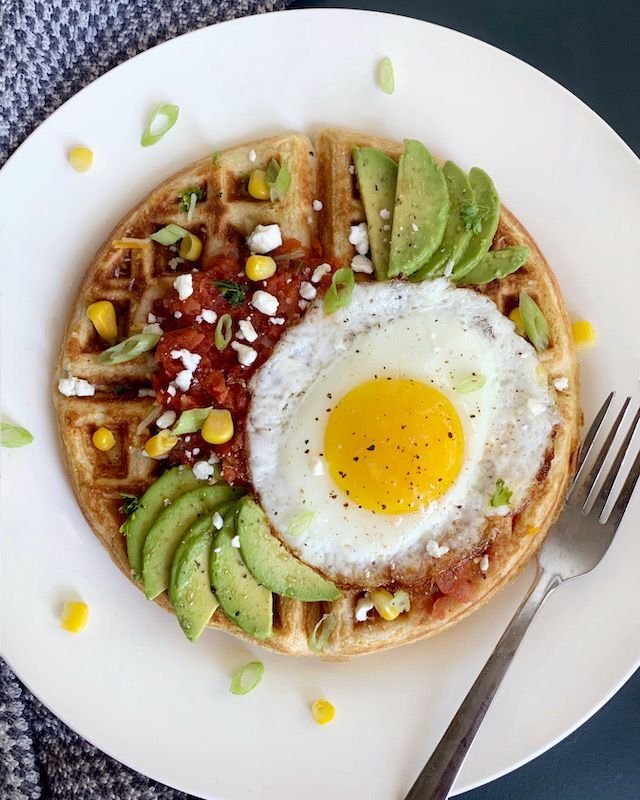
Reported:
(392, 421)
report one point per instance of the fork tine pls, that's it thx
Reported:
(587, 444)
(617, 512)
(583, 488)
(605, 490)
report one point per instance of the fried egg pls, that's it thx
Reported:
(390, 424)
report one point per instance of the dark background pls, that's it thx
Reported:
(591, 48)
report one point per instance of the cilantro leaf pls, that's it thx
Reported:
(232, 292)
(502, 494)
(278, 180)
(184, 198)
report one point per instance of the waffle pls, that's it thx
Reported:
(133, 278)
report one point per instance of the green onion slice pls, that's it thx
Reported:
(131, 348)
(215, 157)
(385, 76)
(278, 180)
(471, 383)
(247, 678)
(223, 332)
(300, 523)
(190, 421)
(321, 633)
(14, 435)
(533, 321)
(155, 121)
(170, 234)
(502, 494)
(338, 295)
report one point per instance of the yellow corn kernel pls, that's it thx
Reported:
(322, 711)
(516, 317)
(103, 439)
(258, 187)
(584, 334)
(80, 158)
(159, 445)
(190, 247)
(129, 243)
(103, 316)
(532, 530)
(218, 426)
(259, 268)
(383, 604)
(74, 616)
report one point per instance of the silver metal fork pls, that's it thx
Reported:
(574, 546)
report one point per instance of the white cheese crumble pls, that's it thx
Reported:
(359, 238)
(302, 304)
(362, 264)
(235, 542)
(166, 420)
(385, 213)
(202, 470)
(171, 389)
(173, 262)
(217, 520)
(183, 284)
(484, 563)
(209, 316)
(352, 169)
(265, 303)
(189, 360)
(151, 318)
(246, 355)
(76, 387)
(247, 330)
(434, 549)
(177, 314)
(363, 607)
(317, 205)
(183, 380)
(561, 384)
(319, 272)
(146, 393)
(277, 320)
(264, 238)
(308, 290)
(153, 327)
(252, 156)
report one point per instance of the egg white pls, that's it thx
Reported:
(431, 332)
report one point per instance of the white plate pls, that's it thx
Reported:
(131, 683)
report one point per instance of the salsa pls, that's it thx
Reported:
(220, 380)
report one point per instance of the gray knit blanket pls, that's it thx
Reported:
(49, 50)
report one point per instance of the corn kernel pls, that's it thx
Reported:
(103, 316)
(322, 711)
(259, 268)
(160, 444)
(218, 426)
(532, 530)
(584, 334)
(258, 187)
(190, 247)
(383, 604)
(516, 317)
(103, 439)
(80, 158)
(74, 616)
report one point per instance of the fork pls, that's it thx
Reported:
(575, 545)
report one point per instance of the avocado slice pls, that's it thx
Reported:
(170, 527)
(487, 203)
(189, 588)
(421, 210)
(271, 564)
(169, 486)
(456, 236)
(241, 597)
(497, 264)
(377, 175)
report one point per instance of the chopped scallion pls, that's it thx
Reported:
(321, 632)
(535, 325)
(278, 179)
(338, 295)
(131, 348)
(247, 678)
(223, 332)
(471, 383)
(170, 234)
(385, 76)
(300, 523)
(501, 495)
(14, 435)
(190, 421)
(161, 120)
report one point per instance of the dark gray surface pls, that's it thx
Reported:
(592, 49)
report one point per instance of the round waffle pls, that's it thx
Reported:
(133, 278)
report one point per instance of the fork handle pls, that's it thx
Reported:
(440, 772)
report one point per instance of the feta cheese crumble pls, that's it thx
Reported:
(265, 303)
(252, 156)
(183, 284)
(484, 563)
(362, 264)
(246, 355)
(217, 520)
(363, 607)
(166, 420)
(202, 470)
(153, 327)
(317, 205)
(264, 238)
(308, 291)
(209, 316)
(235, 542)
(385, 213)
(76, 387)
(359, 238)
(319, 272)
(247, 330)
(277, 320)
(561, 384)
(434, 549)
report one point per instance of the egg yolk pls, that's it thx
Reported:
(393, 445)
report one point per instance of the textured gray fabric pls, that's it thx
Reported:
(49, 50)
